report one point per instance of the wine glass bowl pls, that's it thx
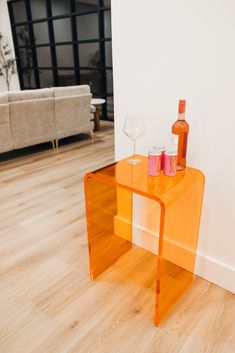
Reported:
(134, 129)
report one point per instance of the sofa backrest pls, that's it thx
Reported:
(71, 90)
(29, 117)
(67, 91)
(30, 94)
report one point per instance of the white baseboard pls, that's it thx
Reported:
(215, 271)
(206, 267)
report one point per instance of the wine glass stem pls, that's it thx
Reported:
(134, 147)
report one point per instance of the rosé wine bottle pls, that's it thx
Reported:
(181, 128)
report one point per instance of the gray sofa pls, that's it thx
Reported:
(36, 116)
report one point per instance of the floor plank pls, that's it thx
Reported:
(48, 303)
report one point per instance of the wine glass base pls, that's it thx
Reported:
(134, 161)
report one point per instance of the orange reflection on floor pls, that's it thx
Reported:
(108, 194)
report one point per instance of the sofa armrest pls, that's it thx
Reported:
(72, 115)
(5, 129)
(93, 109)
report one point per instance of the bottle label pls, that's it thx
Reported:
(174, 142)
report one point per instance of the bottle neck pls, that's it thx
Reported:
(181, 116)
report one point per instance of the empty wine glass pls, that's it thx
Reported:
(134, 128)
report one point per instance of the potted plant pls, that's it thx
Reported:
(7, 62)
(26, 54)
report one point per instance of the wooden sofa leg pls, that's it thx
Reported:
(57, 143)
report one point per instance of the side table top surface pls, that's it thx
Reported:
(136, 179)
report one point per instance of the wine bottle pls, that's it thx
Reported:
(181, 128)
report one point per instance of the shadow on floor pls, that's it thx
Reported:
(41, 147)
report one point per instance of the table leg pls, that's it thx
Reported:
(104, 226)
(177, 249)
(97, 120)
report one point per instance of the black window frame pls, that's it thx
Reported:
(52, 44)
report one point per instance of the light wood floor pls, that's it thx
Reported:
(48, 303)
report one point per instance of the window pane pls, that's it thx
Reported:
(19, 11)
(62, 30)
(87, 26)
(67, 77)
(86, 5)
(26, 57)
(108, 53)
(41, 33)
(89, 54)
(44, 56)
(46, 78)
(28, 78)
(109, 81)
(38, 8)
(60, 7)
(91, 78)
(107, 24)
(64, 55)
(110, 113)
(107, 2)
(22, 33)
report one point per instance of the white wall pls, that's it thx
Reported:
(5, 29)
(168, 50)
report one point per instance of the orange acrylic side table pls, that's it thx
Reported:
(108, 196)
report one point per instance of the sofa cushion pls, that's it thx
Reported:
(32, 122)
(30, 94)
(3, 98)
(71, 90)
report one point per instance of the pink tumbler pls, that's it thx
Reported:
(170, 165)
(154, 161)
(162, 149)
